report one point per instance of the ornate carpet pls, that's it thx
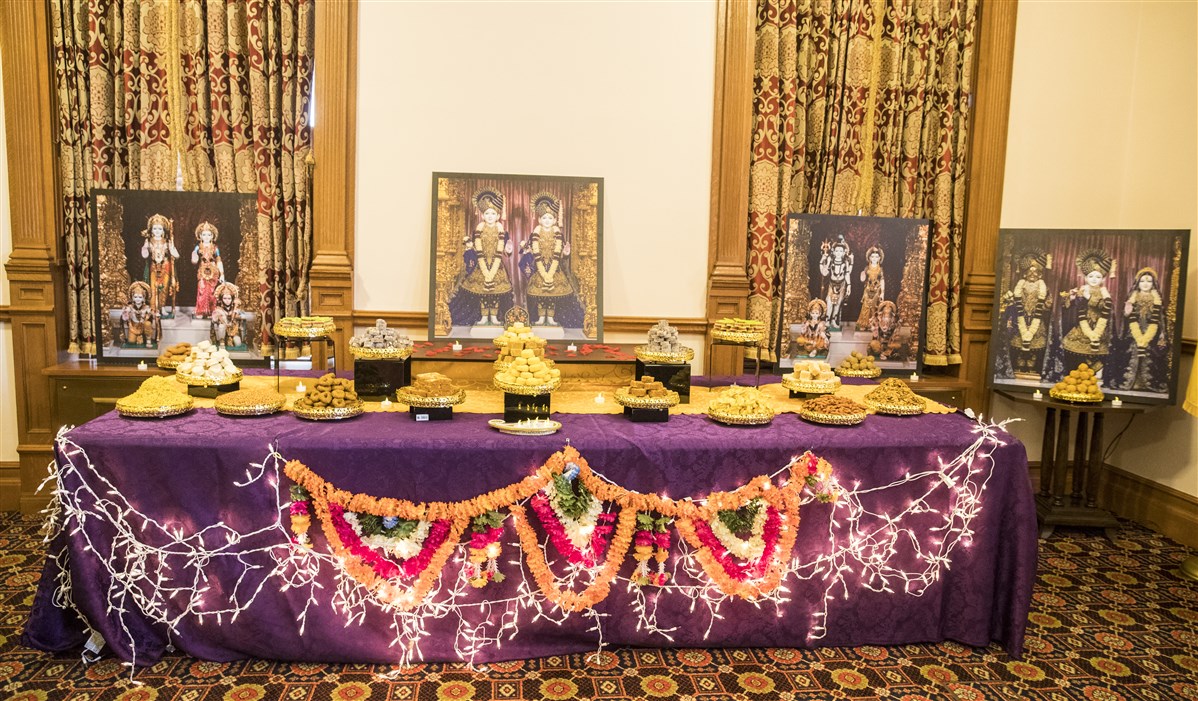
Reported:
(1108, 622)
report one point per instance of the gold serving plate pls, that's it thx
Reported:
(305, 327)
(1076, 397)
(158, 412)
(912, 409)
(380, 353)
(539, 427)
(527, 390)
(818, 417)
(623, 398)
(740, 419)
(167, 364)
(794, 384)
(645, 355)
(264, 409)
(193, 381)
(330, 413)
(742, 337)
(421, 402)
(876, 372)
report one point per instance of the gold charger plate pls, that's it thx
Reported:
(912, 409)
(309, 329)
(330, 413)
(876, 372)
(422, 402)
(223, 407)
(625, 399)
(813, 387)
(745, 337)
(542, 427)
(158, 412)
(818, 417)
(1076, 397)
(380, 353)
(645, 355)
(193, 381)
(740, 419)
(525, 390)
(167, 364)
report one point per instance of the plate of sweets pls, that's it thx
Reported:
(258, 401)
(305, 327)
(520, 334)
(330, 398)
(522, 367)
(664, 346)
(858, 365)
(740, 406)
(1080, 386)
(526, 427)
(431, 390)
(646, 393)
(735, 330)
(380, 343)
(894, 397)
(207, 366)
(833, 411)
(170, 358)
(811, 377)
(157, 398)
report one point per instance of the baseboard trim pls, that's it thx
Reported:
(10, 485)
(1163, 509)
(611, 324)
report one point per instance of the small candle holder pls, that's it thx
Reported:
(1116, 402)
(600, 399)
(1037, 395)
(572, 348)
(386, 404)
(142, 366)
(457, 347)
(914, 377)
(301, 387)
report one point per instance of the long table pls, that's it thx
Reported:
(167, 523)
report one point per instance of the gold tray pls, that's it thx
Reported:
(741, 337)
(380, 353)
(740, 419)
(167, 364)
(645, 355)
(1077, 397)
(263, 409)
(193, 381)
(293, 327)
(625, 399)
(157, 412)
(913, 409)
(832, 419)
(527, 391)
(813, 387)
(542, 427)
(330, 413)
(876, 372)
(421, 402)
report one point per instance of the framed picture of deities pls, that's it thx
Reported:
(516, 247)
(854, 284)
(175, 267)
(1113, 300)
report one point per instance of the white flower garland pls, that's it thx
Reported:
(577, 530)
(402, 548)
(752, 548)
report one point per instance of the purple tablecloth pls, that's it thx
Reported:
(183, 472)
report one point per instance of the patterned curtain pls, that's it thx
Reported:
(862, 107)
(218, 88)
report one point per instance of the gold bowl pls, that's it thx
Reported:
(157, 412)
(168, 364)
(1076, 397)
(223, 407)
(793, 384)
(740, 419)
(193, 381)
(819, 417)
(330, 413)
(875, 372)
(645, 355)
(304, 327)
(380, 353)
(527, 390)
(405, 396)
(625, 399)
(739, 337)
(911, 409)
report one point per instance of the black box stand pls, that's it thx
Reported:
(444, 413)
(212, 391)
(521, 407)
(675, 376)
(647, 415)
(378, 378)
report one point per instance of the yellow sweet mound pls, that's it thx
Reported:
(432, 384)
(156, 392)
(857, 362)
(740, 401)
(647, 387)
(1079, 381)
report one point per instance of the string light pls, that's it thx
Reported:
(157, 569)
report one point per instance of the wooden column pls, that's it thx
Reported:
(334, 138)
(34, 267)
(987, 164)
(727, 281)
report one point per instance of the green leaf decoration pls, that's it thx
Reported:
(645, 522)
(487, 521)
(572, 498)
(298, 493)
(403, 529)
(370, 524)
(740, 521)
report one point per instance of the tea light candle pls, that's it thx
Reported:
(599, 398)
(572, 348)
(914, 377)
(386, 404)
(457, 346)
(1037, 395)
(301, 387)
(1116, 402)
(142, 366)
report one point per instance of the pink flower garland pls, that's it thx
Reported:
(478, 573)
(557, 532)
(736, 569)
(384, 567)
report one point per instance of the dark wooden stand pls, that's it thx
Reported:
(1075, 504)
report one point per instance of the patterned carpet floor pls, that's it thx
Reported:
(1109, 621)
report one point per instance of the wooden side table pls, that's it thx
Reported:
(1059, 504)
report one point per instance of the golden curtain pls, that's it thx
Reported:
(862, 107)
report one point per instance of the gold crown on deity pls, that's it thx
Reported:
(874, 249)
(141, 287)
(226, 287)
(207, 226)
(1096, 259)
(1146, 271)
(1034, 257)
(160, 219)
(487, 198)
(544, 203)
(817, 304)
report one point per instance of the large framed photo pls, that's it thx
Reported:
(854, 284)
(516, 247)
(175, 267)
(1110, 299)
